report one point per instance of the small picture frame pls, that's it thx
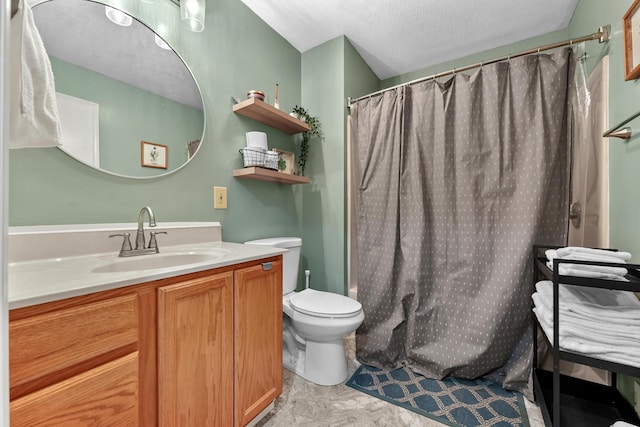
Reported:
(631, 27)
(287, 162)
(153, 155)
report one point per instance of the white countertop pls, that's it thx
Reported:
(39, 281)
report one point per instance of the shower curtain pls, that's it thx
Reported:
(453, 183)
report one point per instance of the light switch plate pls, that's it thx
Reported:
(220, 197)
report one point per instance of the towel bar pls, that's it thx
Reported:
(619, 131)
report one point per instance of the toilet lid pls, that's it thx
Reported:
(324, 304)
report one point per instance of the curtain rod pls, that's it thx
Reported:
(602, 35)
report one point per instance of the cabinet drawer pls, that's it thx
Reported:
(105, 395)
(50, 342)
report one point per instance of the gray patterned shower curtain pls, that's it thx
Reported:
(453, 183)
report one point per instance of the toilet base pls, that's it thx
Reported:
(322, 363)
(326, 362)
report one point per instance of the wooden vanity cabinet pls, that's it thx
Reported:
(203, 349)
(220, 346)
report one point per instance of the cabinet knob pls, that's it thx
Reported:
(267, 266)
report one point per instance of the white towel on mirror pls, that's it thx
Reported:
(34, 120)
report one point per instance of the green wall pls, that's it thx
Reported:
(129, 115)
(330, 73)
(236, 52)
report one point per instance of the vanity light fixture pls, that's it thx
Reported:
(117, 16)
(192, 13)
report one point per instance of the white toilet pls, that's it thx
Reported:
(314, 322)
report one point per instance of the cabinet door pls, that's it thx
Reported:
(104, 396)
(195, 360)
(258, 339)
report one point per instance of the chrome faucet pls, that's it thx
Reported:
(140, 232)
(140, 249)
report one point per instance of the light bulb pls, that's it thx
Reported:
(193, 13)
(117, 16)
(162, 43)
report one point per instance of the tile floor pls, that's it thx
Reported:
(303, 403)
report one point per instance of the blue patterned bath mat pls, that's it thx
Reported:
(452, 401)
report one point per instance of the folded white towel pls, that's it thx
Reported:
(578, 326)
(604, 352)
(583, 270)
(34, 120)
(591, 271)
(606, 304)
(551, 254)
(562, 252)
(584, 256)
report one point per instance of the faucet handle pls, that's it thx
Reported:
(126, 243)
(153, 243)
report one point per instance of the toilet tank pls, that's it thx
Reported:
(290, 260)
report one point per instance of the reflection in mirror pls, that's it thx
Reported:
(118, 84)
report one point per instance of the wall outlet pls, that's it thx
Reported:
(220, 197)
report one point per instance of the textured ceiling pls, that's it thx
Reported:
(399, 36)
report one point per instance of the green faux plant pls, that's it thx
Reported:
(314, 124)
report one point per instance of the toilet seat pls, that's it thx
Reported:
(324, 304)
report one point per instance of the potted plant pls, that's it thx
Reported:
(314, 124)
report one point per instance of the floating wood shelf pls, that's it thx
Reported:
(270, 175)
(262, 112)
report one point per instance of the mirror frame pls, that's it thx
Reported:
(34, 3)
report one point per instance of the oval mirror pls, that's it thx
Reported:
(129, 105)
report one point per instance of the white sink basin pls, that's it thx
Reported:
(161, 260)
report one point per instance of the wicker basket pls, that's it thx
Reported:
(271, 160)
(252, 156)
